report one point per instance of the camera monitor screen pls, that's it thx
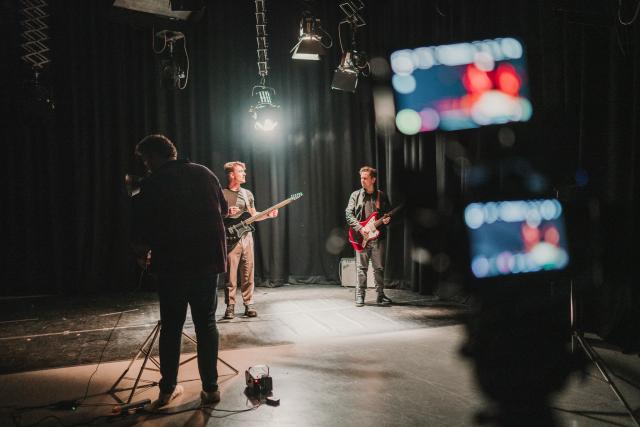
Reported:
(516, 237)
(460, 86)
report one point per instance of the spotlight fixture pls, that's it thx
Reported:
(173, 74)
(190, 5)
(154, 12)
(310, 46)
(264, 111)
(346, 75)
(352, 61)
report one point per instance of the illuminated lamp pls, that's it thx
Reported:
(264, 111)
(309, 46)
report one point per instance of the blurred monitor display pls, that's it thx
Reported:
(460, 86)
(516, 237)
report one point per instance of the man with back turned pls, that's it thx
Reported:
(178, 217)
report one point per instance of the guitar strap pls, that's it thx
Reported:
(243, 193)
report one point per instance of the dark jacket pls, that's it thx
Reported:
(178, 215)
(355, 210)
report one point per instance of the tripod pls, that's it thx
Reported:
(577, 336)
(146, 348)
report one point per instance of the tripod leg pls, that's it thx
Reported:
(190, 338)
(112, 390)
(140, 278)
(228, 365)
(193, 340)
(597, 361)
(146, 359)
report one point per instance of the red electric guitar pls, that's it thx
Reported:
(371, 224)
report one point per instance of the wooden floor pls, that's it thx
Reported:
(332, 364)
(48, 332)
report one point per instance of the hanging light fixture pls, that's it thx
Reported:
(174, 73)
(264, 110)
(310, 45)
(352, 62)
(36, 53)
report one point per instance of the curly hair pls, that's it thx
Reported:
(156, 144)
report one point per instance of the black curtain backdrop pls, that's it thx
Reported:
(65, 215)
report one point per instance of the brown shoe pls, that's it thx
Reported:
(250, 311)
(229, 313)
(165, 398)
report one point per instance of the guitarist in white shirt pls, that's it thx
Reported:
(362, 204)
(240, 260)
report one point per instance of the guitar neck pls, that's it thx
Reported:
(266, 211)
(390, 213)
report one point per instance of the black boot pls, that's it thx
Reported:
(383, 299)
(359, 299)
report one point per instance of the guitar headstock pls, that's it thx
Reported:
(295, 196)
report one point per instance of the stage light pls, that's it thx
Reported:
(173, 74)
(191, 5)
(352, 62)
(264, 111)
(152, 11)
(346, 75)
(310, 46)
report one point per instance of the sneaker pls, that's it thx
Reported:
(229, 313)
(165, 398)
(208, 397)
(250, 311)
(359, 300)
(383, 299)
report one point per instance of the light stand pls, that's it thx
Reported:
(577, 336)
(146, 348)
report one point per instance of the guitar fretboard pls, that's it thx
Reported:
(272, 208)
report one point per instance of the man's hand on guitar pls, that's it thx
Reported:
(233, 210)
(386, 219)
(273, 213)
(364, 232)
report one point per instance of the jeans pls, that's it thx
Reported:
(374, 251)
(199, 292)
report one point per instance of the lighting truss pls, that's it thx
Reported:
(34, 33)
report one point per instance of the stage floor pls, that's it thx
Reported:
(331, 363)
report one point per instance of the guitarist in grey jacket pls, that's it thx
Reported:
(240, 260)
(360, 208)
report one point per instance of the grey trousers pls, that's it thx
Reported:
(374, 252)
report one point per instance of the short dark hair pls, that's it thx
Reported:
(372, 172)
(156, 144)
